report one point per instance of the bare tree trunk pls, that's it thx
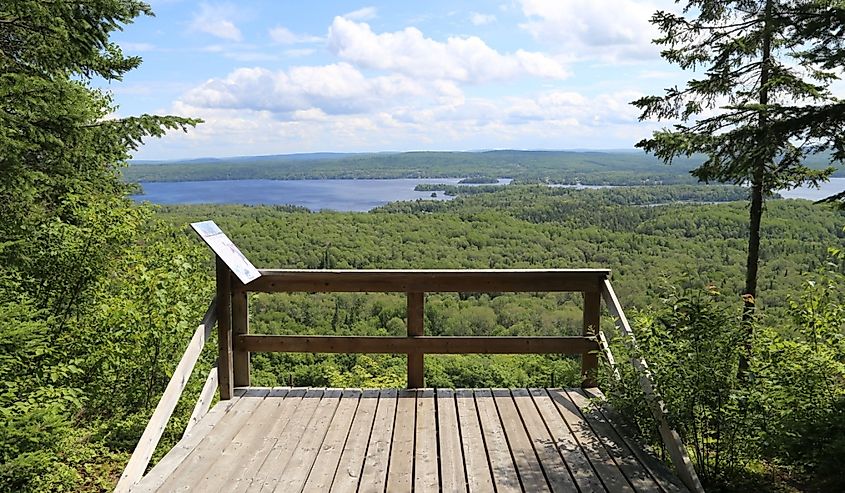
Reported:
(756, 213)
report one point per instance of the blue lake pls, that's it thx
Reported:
(834, 186)
(340, 195)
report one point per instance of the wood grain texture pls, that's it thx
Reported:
(557, 474)
(426, 469)
(348, 473)
(400, 473)
(404, 281)
(591, 327)
(275, 461)
(498, 452)
(225, 375)
(449, 442)
(259, 440)
(374, 475)
(420, 344)
(240, 326)
(567, 446)
(209, 388)
(191, 473)
(349, 440)
(153, 480)
(610, 475)
(415, 321)
(478, 473)
(325, 465)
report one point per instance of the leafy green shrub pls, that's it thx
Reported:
(787, 413)
(691, 342)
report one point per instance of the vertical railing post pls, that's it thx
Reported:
(224, 329)
(592, 319)
(240, 325)
(415, 314)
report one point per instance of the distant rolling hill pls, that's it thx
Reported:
(587, 167)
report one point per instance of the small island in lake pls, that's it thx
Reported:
(478, 180)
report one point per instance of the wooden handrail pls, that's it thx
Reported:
(671, 439)
(421, 344)
(140, 459)
(203, 401)
(428, 280)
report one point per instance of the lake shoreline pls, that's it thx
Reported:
(356, 194)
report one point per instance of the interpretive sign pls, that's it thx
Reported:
(215, 238)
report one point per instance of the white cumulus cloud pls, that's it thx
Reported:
(362, 14)
(283, 35)
(605, 29)
(215, 20)
(479, 19)
(334, 89)
(409, 52)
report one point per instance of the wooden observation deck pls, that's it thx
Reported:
(414, 439)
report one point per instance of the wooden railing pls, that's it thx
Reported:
(148, 442)
(239, 342)
(236, 278)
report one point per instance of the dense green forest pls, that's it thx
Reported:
(100, 295)
(595, 168)
(668, 260)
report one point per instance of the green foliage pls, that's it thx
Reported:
(786, 416)
(86, 277)
(762, 105)
(768, 65)
(692, 344)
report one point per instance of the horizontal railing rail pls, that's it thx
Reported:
(424, 344)
(399, 281)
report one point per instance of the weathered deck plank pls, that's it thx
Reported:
(479, 477)
(566, 444)
(348, 473)
(278, 457)
(349, 440)
(556, 472)
(625, 460)
(374, 476)
(299, 466)
(426, 470)
(498, 452)
(328, 457)
(527, 465)
(602, 462)
(228, 463)
(191, 471)
(259, 445)
(449, 442)
(400, 472)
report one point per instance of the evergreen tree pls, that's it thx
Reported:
(60, 153)
(83, 302)
(762, 103)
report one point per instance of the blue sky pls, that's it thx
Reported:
(290, 76)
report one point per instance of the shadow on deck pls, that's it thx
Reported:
(422, 440)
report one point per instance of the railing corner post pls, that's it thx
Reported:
(224, 329)
(591, 328)
(240, 326)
